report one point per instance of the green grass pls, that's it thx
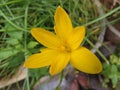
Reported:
(17, 17)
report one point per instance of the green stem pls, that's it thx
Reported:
(25, 45)
(8, 9)
(11, 2)
(10, 22)
(61, 78)
(102, 17)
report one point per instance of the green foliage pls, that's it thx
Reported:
(32, 44)
(111, 71)
(117, 51)
(12, 42)
(37, 73)
(7, 52)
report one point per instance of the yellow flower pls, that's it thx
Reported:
(63, 47)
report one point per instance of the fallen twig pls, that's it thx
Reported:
(103, 27)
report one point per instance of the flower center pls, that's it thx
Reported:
(65, 47)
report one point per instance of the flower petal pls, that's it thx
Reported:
(84, 60)
(42, 59)
(63, 25)
(76, 37)
(45, 37)
(59, 63)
